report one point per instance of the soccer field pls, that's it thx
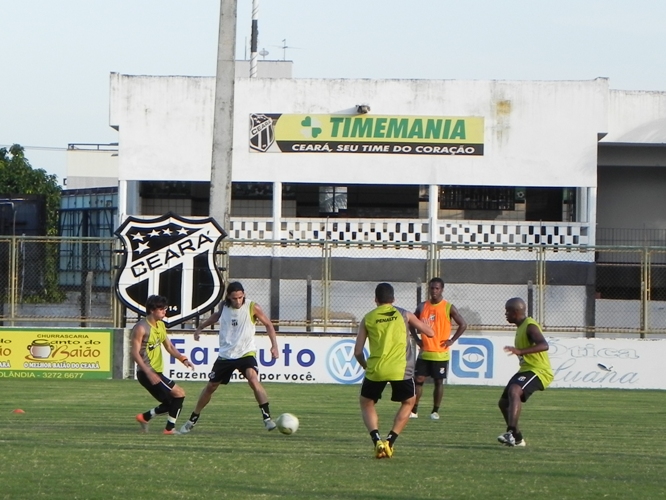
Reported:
(78, 439)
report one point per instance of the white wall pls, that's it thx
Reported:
(636, 117)
(641, 189)
(536, 133)
(88, 168)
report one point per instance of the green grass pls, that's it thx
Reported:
(78, 439)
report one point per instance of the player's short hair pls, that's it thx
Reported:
(437, 280)
(384, 293)
(234, 286)
(155, 302)
(516, 304)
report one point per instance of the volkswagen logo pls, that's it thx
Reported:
(341, 363)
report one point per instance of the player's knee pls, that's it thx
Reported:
(419, 381)
(211, 387)
(177, 392)
(515, 391)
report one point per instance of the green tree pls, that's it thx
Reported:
(17, 177)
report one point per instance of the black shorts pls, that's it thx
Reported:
(160, 391)
(528, 382)
(429, 368)
(224, 368)
(401, 390)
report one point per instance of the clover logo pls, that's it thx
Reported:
(311, 128)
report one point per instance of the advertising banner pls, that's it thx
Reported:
(475, 360)
(303, 359)
(55, 353)
(576, 362)
(414, 135)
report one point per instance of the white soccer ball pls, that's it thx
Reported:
(287, 423)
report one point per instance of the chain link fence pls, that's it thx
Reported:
(323, 286)
(57, 282)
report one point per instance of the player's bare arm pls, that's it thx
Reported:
(212, 319)
(171, 349)
(460, 321)
(138, 333)
(536, 338)
(270, 329)
(412, 330)
(361, 337)
(420, 325)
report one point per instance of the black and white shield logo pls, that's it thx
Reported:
(174, 257)
(262, 133)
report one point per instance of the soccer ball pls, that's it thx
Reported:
(287, 423)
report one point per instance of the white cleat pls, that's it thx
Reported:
(434, 416)
(413, 415)
(187, 427)
(269, 424)
(508, 439)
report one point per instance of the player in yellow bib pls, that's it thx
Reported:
(391, 360)
(148, 337)
(535, 372)
(434, 355)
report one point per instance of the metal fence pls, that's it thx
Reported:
(322, 286)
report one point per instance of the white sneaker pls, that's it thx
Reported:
(187, 427)
(508, 439)
(521, 443)
(434, 416)
(413, 415)
(269, 424)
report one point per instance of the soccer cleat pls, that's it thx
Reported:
(521, 443)
(388, 449)
(187, 427)
(170, 432)
(434, 416)
(413, 415)
(507, 439)
(380, 449)
(142, 422)
(269, 424)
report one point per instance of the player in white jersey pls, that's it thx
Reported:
(238, 351)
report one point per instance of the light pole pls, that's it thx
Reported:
(223, 117)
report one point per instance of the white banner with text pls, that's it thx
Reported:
(475, 360)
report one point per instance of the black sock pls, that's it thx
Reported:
(174, 410)
(512, 430)
(415, 409)
(375, 436)
(161, 409)
(392, 436)
(194, 418)
(265, 413)
(147, 416)
(435, 409)
(518, 436)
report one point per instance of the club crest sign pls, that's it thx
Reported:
(262, 132)
(171, 256)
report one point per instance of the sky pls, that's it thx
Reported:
(58, 55)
